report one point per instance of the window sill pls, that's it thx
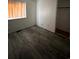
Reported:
(16, 18)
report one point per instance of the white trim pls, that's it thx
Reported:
(17, 18)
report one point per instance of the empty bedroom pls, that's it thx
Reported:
(38, 29)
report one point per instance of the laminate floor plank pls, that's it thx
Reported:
(37, 43)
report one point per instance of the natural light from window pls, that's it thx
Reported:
(16, 9)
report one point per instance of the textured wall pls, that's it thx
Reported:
(18, 24)
(63, 15)
(63, 3)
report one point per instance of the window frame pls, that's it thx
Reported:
(25, 16)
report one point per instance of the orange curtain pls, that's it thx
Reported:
(16, 9)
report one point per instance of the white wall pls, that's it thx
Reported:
(46, 14)
(18, 24)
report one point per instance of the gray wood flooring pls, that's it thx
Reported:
(37, 43)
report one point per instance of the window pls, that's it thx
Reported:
(16, 9)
